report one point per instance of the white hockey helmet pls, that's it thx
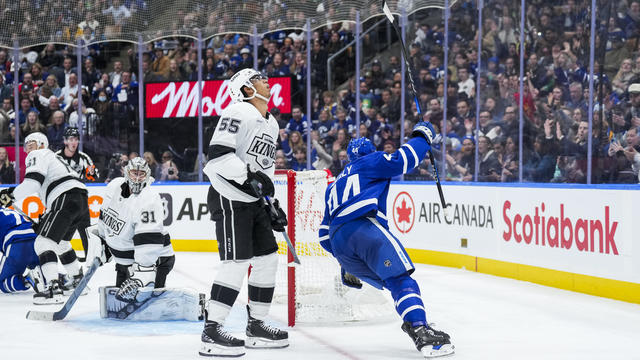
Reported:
(242, 78)
(39, 138)
(137, 181)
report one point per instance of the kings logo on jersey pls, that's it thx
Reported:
(110, 218)
(264, 150)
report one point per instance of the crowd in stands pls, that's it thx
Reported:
(555, 126)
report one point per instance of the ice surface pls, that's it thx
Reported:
(487, 317)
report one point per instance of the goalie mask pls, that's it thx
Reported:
(39, 138)
(359, 147)
(245, 77)
(137, 174)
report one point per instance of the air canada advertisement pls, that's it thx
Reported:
(585, 231)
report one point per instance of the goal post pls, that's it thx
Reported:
(313, 291)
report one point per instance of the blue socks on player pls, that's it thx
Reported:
(12, 284)
(407, 300)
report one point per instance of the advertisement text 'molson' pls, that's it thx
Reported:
(180, 99)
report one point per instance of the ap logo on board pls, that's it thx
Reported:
(404, 212)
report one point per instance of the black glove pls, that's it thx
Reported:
(6, 197)
(278, 217)
(259, 180)
(350, 280)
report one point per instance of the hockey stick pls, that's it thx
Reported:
(273, 211)
(412, 87)
(62, 313)
(292, 249)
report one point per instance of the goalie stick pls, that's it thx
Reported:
(62, 313)
(412, 87)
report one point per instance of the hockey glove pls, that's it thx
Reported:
(144, 276)
(278, 217)
(260, 183)
(6, 197)
(97, 246)
(350, 280)
(424, 129)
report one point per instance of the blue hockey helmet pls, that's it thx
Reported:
(359, 147)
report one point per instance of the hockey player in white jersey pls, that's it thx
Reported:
(241, 158)
(131, 223)
(65, 198)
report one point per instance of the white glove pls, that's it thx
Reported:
(96, 245)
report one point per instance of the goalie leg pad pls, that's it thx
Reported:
(225, 289)
(407, 299)
(262, 282)
(164, 265)
(153, 305)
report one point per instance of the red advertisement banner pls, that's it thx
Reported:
(180, 99)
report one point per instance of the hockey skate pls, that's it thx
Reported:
(68, 284)
(217, 342)
(33, 278)
(263, 336)
(430, 342)
(51, 295)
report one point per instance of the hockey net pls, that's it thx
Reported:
(313, 290)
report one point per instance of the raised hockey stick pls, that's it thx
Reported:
(412, 87)
(62, 313)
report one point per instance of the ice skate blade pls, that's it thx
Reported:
(56, 299)
(212, 349)
(445, 350)
(261, 343)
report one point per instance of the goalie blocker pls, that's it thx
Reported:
(153, 305)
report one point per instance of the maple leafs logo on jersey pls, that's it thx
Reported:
(109, 218)
(263, 148)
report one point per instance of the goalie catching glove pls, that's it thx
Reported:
(6, 197)
(144, 276)
(424, 129)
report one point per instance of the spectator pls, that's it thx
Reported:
(116, 74)
(623, 77)
(7, 115)
(167, 171)
(160, 66)
(298, 122)
(50, 88)
(116, 166)
(26, 106)
(489, 169)
(341, 142)
(32, 125)
(90, 75)
(104, 84)
(341, 160)
(49, 57)
(151, 160)
(7, 172)
(70, 91)
(74, 118)
(55, 131)
(6, 91)
(66, 71)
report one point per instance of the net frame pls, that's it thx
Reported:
(316, 294)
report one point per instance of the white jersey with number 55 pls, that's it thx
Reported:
(243, 136)
(133, 224)
(47, 174)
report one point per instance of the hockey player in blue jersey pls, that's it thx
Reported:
(16, 246)
(355, 231)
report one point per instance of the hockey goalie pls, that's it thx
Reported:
(131, 225)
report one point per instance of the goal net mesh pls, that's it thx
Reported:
(320, 296)
(39, 22)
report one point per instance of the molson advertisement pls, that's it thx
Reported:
(180, 99)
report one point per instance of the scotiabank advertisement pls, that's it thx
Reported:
(582, 231)
(165, 100)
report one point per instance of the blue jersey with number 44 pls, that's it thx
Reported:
(361, 189)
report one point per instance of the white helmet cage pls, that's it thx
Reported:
(39, 138)
(240, 79)
(136, 185)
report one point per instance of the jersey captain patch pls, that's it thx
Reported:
(264, 150)
(110, 219)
